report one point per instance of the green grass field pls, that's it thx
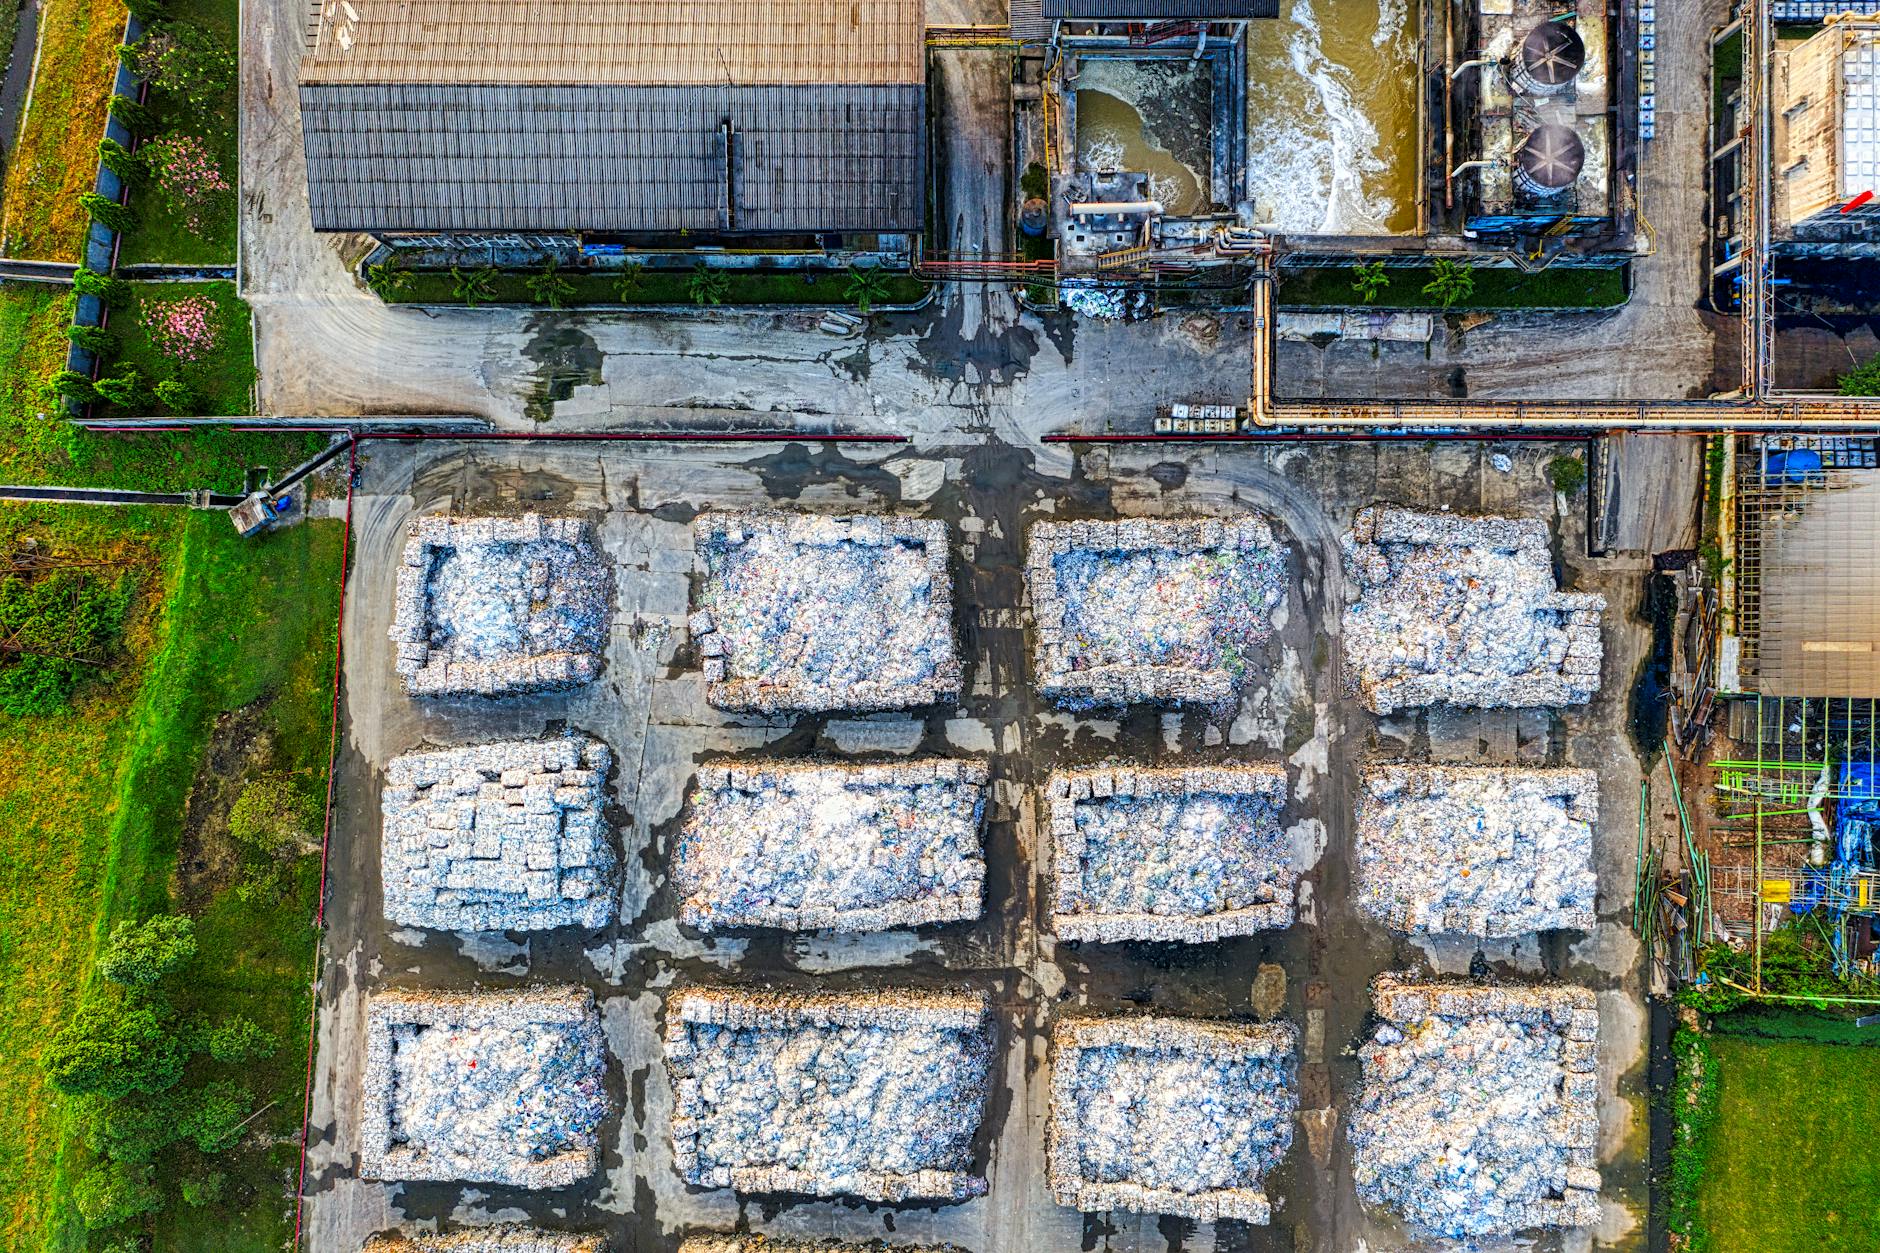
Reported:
(666, 287)
(1791, 1166)
(1330, 286)
(222, 380)
(56, 156)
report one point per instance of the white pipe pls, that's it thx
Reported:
(1081, 208)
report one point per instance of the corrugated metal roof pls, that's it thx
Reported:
(511, 157)
(1158, 10)
(630, 42)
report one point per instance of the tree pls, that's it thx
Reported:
(113, 1051)
(122, 162)
(88, 337)
(146, 11)
(142, 955)
(389, 279)
(59, 629)
(1568, 474)
(708, 285)
(1450, 281)
(550, 286)
(105, 210)
(866, 285)
(632, 281)
(1863, 379)
(186, 63)
(473, 287)
(176, 396)
(134, 115)
(217, 1114)
(1369, 280)
(116, 1192)
(74, 386)
(113, 291)
(123, 390)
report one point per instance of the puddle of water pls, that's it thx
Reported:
(1332, 117)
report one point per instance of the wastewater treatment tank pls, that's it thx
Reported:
(1549, 60)
(1548, 161)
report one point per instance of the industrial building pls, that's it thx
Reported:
(1825, 117)
(558, 126)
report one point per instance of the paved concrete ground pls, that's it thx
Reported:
(649, 705)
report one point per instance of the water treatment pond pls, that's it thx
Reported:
(1151, 115)
(1332, 117)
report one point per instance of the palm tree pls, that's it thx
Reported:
(1450, 281)
(1369, 280)
(866, 286)
(473, 287)
(632, 280)
(550, 287)
(708, 285)
(389, 279)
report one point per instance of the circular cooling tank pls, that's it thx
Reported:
(1548, 161)
(1549, 60)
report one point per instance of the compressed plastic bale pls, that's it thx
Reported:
(1170, 1115)
(876, 1095)
(500, 1239)
(1151, 610)
(782, 1244)
(851, 848)
(811, 612)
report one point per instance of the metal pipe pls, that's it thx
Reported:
(1467, 165)
(1469, 64)
(1082, 208)
(1449, 104)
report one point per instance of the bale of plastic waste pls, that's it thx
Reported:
(503, 1239)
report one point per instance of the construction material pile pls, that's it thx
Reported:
(876, 1095)
(1463, 611)
(1170, 1115)
(498, 837)
(774, 1244)
(1191, 854)
(843, 847)
(500, 1087)
(1482, 851)
(489, 1240)
(1478, 1112)
(1151, 610)
(493, 606)
(803, 612)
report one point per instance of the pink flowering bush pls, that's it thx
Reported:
(184, 329)
(188, 176)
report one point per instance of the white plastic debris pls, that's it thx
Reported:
(499, 837)
(500, 1087)
(503, 1239)
(1104, 302)
(1190, 854)
(1478, 1111)
(876, 1095)
(1170, 1115)
(1151, 609)
(1481, 851)
(494, 606)
(843, 847)
(807, 612)
(1463, 611)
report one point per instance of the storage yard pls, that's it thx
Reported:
(797, 891)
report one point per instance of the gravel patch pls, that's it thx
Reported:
(1463, 611)
(1190, 854)
(499, 837)
(807, 847)
(1170, 1115)
(802, 612)
(875, 1095)
(489, 1240)
(1151, 609)
(1478, 1111)
(1480, 851)
(496, 606)
(498, 1087)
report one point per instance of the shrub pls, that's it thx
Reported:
(1450, 281)
(190, 179)
(184, 328)
(473, 287)
(1369, 280)
(113, 1193)
(203, 1188)
(216, 1114)
(142, 954)
(113, 1051)
(632, 281)
(123, 390)
(1568, 474)
(272, 816)
(186, 63)
(75, 386)
(176, 396)
(134, 115)
(240, 1039)
(61, 629)
(866, 286)
(1035, 182)
(106, 211)
(89, 337)
(550, 287)
(146, 11)
(113, 291)
(707, 285)
(1863, 379)
(122, 162)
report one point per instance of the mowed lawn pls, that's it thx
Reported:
(1793, 1166)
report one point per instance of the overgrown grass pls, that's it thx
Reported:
(664, 287)
(1791, 1167)
(92, 811)
(223, 379)
(1693, 1132)
(36, 449)
(162, 234)
(1330, 287)
(56, 159)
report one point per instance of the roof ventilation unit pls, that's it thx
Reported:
(1549, 60)
(1548, 161)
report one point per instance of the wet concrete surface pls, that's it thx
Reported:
(649, 705)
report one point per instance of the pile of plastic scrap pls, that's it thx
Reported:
(784, 1244)
(1190, 854)
(1463, 611)
(1105, 302)
(876, 1095)
(1170, 1115)
(503, 1239)
(493, 606)
(843, 847)
(1151, 609)
(499, 837)
(1478, 1111)
(807, 612)
(1481, 851)
(500, 1087)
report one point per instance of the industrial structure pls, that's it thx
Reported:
(1825, 111)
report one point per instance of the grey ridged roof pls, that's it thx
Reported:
(1159, 10)
(525, 157)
